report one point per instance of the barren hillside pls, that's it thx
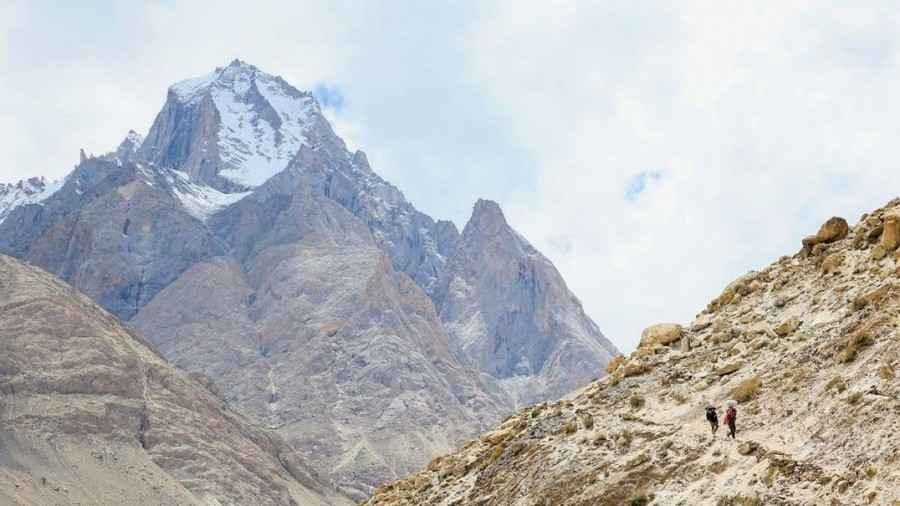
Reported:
(807, 346)
(91, 415)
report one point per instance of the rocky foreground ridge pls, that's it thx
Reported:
(89, 414)
(808, 346)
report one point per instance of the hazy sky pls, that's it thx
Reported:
(654, 151)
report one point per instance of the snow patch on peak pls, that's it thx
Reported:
(264, 122)
(28, 191)
(194, 87)
(200, 201)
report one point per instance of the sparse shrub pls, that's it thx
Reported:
(747, 389)
(679, 397)
(718, 467)
(517, 448)
(871, 472)
(636, 401)
(625, 438)
(886, 373)
(640, 500)
(853, 344)
(492, 457)
(588, 421)
(836, 383)
(855, 398)
(570, 428)
(847, 355)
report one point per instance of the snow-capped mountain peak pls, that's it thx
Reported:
(27, 191)
(255, 126)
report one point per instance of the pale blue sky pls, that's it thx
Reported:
(763, 119)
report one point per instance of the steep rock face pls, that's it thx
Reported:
(508, 309)
(309, 329)
(117, 232)
(91, 415)
(237, 127)
(810, 356)
(233, 128)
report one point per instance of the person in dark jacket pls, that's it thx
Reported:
(731, 421)
(713, 418)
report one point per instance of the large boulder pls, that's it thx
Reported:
(661, 333)
(834, 229)
(890, 237)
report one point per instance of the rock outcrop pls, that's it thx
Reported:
(661, 333)
(834, 229)
(811, 361)
(90, 414)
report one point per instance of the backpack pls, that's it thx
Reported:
(711, 415)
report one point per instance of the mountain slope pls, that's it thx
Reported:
(809, 348)
(91, 415)
(510, 312)
(316, 335)
(247, 242)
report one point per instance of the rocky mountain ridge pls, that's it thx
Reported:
(248, 243)
(808, 348)
(90, 414)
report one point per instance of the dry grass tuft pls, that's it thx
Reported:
(853, 344)
(636, 401)
(837, 384)
(747, 389)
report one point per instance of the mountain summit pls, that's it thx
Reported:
(248, 243)
(233, 128)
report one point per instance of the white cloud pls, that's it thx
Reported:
(763, 118)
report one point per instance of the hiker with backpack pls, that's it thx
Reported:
(731, 420)
(713, 418)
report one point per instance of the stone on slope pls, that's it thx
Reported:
(661, 333)
(834, 229)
